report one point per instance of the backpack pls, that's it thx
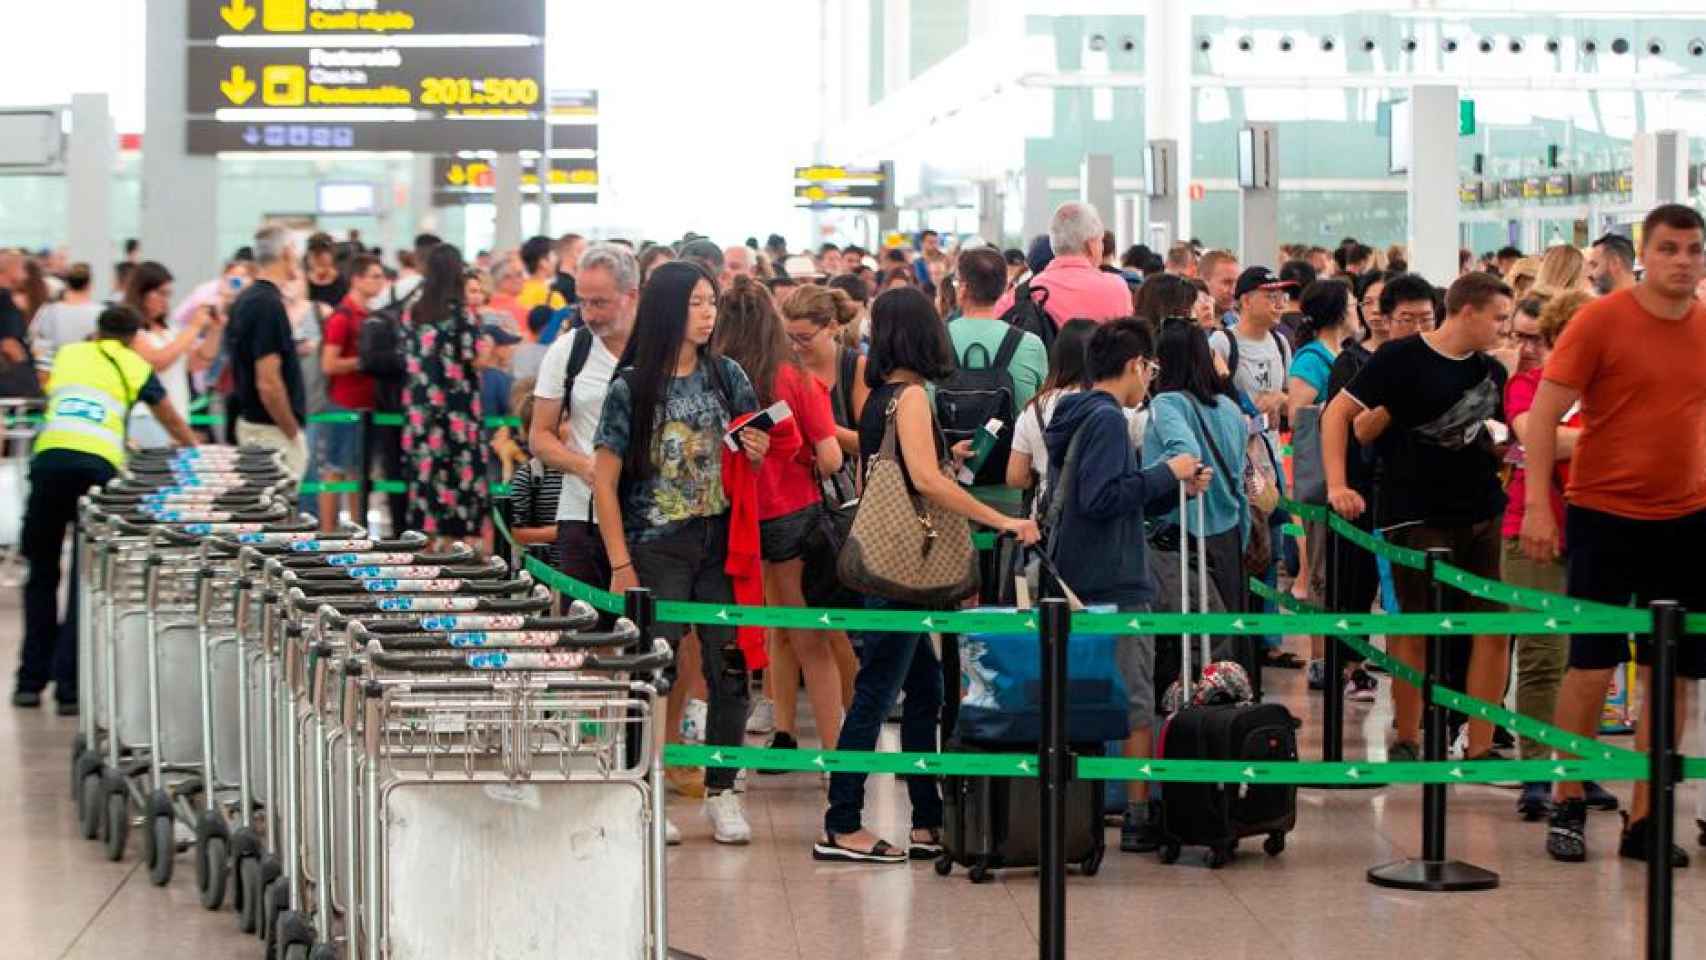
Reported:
(1027, 314)
(974, 395)
(379, 350)
(579, 349)
(1051, 505)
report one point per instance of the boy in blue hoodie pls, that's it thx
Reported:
(1097, 541)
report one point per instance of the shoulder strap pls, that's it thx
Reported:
(127, 400)
(1057, 494)
(844, 385)
(1010, 342)
(579, 349)
(1208, 437)
(1282, 346)
(965, 358)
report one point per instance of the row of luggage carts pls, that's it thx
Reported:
(368, 749)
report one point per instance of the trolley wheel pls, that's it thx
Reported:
(1168, 852)
(1274, 845)
(116, 826)
(1702, 825)
(944, 865)
(274, 904)
(980, 873)
(1092, 863)
(246, 896)
(1218, 857)
(160, 849)
(81, 759)
(211, 867)
(293, 936)
(91, 807)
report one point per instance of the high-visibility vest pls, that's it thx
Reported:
(89, 393)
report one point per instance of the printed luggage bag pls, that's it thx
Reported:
(991, 823)
(1002, 698)
(1218, 815)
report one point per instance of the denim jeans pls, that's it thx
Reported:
(890, 663)
(687, 564)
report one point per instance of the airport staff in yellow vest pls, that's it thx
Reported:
(81, 445)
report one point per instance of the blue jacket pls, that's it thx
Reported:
(1174, 428)
(1099, 544)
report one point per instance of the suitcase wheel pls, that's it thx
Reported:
(1168, 852)
(1092, 863)
(980, 873)
(1219, 857)
(1274, 845)
(944, 865)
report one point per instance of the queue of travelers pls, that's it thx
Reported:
(1541, 417)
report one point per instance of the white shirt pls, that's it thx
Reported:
(1028, 435)
(144, 429)
(586, 407)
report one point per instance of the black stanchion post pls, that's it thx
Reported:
(1663, 771)
(364, 468)
(1333, 693)
(1433, 872)
(1055, 627)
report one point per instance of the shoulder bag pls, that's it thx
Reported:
(901, 546)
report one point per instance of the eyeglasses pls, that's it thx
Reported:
(598, 303)
(805, 339)
(1152, 367)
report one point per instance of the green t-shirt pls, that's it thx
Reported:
(1029, 368)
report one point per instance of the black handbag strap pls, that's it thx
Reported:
(1213, 448)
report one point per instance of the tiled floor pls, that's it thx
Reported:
(60, 898)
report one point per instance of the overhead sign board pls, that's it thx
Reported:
(365, 74)
(468, 176)
(213, 19)
(842, 187)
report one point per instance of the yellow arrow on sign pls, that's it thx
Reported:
(238, 14)
(455, 175)
(239, 88)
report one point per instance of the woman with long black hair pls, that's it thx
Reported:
(1193, 410)
(442, 449)
(658, 492)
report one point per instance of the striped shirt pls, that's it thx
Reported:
(533, 494)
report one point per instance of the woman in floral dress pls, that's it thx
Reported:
(442, 445)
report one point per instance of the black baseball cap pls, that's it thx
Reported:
(1259, 278)
(499, 335)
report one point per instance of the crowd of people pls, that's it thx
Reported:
(1540, 417)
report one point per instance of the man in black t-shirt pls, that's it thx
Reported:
(271, 404)
(1432, 405)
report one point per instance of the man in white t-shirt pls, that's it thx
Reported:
(1260, 355)
(608, 284)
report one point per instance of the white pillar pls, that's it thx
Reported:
(1168, 51)
(1037, 211)
(1096, 185)
(89, 194)
(1661, 169)
(1258, 206)
(990, 215)
(897, 44)
(180, 193)
(1433, 182)
(1161, 182)
(506, 201)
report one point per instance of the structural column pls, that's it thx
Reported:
(1096, 184)
(1433, 202)
(180, 192)
(1167, 70)
(1661, 169)
(1258, 205)
(88, 180)
(506, 201)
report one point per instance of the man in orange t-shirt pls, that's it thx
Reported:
(1636, 514)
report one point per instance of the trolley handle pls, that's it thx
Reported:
(400, 570)
(522, 661)
(550, 634)
(367, 604)
(408, 588)
(399, 555)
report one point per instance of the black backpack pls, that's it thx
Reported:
(974, 395)
(1027, 314)
(379, 350)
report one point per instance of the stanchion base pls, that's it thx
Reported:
(1433, 876)
(675, 954)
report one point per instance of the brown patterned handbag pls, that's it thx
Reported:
(903, 547)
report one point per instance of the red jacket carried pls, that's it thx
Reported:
(744, 566)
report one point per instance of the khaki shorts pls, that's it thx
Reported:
(272, 438)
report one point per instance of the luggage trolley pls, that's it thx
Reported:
(523, 750)
(288, 881)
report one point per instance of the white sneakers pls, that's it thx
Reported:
(671, 834)
(728, 818)
(693, 722)
(763, 718)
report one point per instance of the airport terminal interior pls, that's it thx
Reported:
(462, 493)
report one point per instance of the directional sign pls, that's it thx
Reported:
(829, 187)
(212, 19)
(364, 74)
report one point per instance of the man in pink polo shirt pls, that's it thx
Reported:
(1076, 286)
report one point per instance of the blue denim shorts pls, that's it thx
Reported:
(338, 445)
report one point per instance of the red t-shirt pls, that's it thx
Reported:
(1519, 397)
(352, 391)
(786, 483)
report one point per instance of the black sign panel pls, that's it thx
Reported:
(832, 187)
(210, 19)
(207, 135)
(436, 81)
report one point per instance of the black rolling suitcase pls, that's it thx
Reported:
(991, 823)
(1217, 815)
